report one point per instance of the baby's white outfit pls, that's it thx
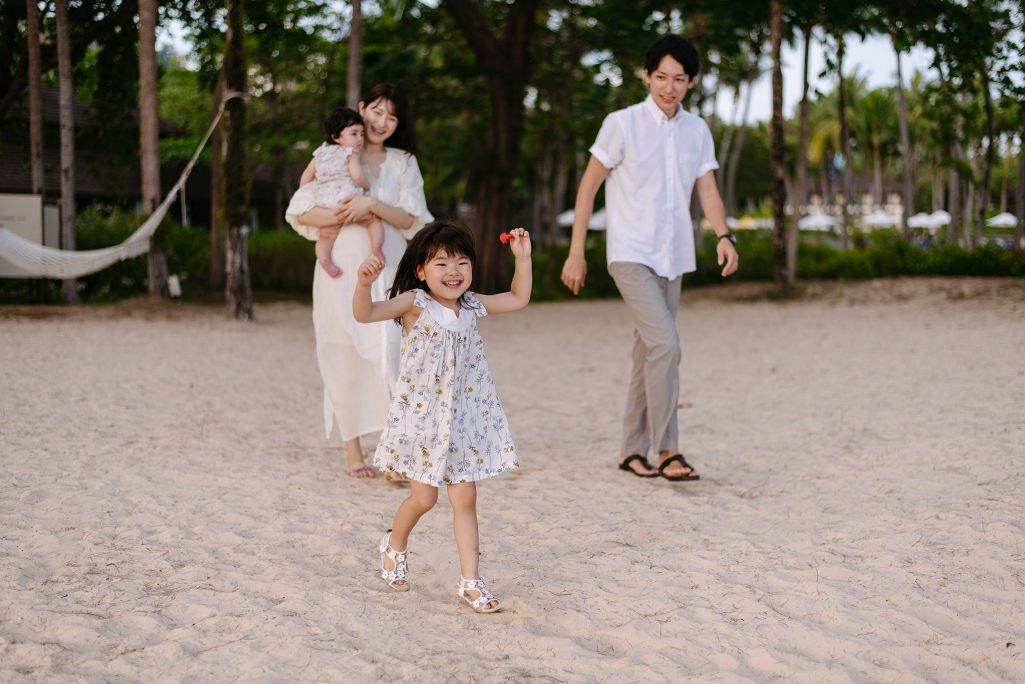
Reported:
(334, 182)
(445, 424)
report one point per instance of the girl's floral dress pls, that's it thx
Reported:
(445, 424)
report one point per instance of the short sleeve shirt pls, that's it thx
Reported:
(653, 163)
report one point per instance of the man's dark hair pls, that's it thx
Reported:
(676, 47)
(338, 120)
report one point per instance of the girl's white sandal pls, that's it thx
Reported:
(485, 601)
(399, 571)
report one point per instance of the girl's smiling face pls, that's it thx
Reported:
(447, 276)
(379, 120)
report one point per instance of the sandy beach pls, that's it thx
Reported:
(171, 511)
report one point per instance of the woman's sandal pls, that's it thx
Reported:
(485, 601)
(625, 465)
(677, 458)
(399, 571)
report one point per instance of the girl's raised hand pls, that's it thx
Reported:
(368, 271)
(519, 242)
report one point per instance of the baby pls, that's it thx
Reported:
(336, 169)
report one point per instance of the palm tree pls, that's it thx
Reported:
(872, 123)
(780, 270)
(238, 288)
(69, 288)
(35, 97)
(149, 140)
(352, 84)
(905, 142)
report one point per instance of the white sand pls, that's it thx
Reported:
(169, 510)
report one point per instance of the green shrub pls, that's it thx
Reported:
(281, 261)
(187, 250)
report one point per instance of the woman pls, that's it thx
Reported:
(357, 361)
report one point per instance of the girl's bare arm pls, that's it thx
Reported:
(364, 308)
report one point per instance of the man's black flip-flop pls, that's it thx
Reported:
(625, 465)
(677, 458)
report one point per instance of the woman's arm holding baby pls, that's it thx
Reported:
(356, 171)
(518, 295)
(364, 308)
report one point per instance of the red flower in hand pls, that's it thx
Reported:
(505, 237)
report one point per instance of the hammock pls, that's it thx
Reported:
(46, 262)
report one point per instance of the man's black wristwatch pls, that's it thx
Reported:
(728, 236)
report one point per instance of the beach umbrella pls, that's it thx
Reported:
(1003, 220)
(921, 220)
(880, 219)
(940, 218)
(817, 222)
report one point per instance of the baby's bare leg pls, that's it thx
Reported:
(323, 251)
(373, 225)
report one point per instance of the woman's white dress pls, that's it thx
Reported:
(446, 424)
(359, 361)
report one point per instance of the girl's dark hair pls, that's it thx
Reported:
(338, 120)
(436, 236)
(404, 137)
(676, 47)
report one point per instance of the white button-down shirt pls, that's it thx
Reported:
(653, 162)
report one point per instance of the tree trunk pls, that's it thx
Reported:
(506, 64)
(69, 288)
(727, 139)
(353, 73)
(733, 162)
(149, 142)
(801, 181)
(780, 271)
(1019, 196)
(905, 146)
(955, 194)
(216, 280)
(238, 289)
(35, 98)
(1005, 176)
(987, 160)
(877, 175)
(845, 138)
(937, 190)
(972, 234)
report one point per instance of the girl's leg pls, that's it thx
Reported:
(421, 499)
(355, 466)
(463, 498)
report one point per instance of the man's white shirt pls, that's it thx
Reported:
(653, 163)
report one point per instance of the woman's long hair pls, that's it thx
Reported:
(404, 137)
(428, 241)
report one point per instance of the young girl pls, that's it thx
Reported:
(446, 425)
(336, 168)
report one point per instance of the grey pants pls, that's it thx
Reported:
(650, 425)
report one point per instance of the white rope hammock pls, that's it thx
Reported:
(46, 262)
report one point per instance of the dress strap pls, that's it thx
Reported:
(475, 305)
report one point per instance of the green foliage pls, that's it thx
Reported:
(188, 253)
(281, 261)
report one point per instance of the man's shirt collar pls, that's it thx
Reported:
(657, 113)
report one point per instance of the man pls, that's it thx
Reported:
(653, 154)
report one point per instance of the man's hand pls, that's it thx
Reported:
(574, 272)
(727, 254)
